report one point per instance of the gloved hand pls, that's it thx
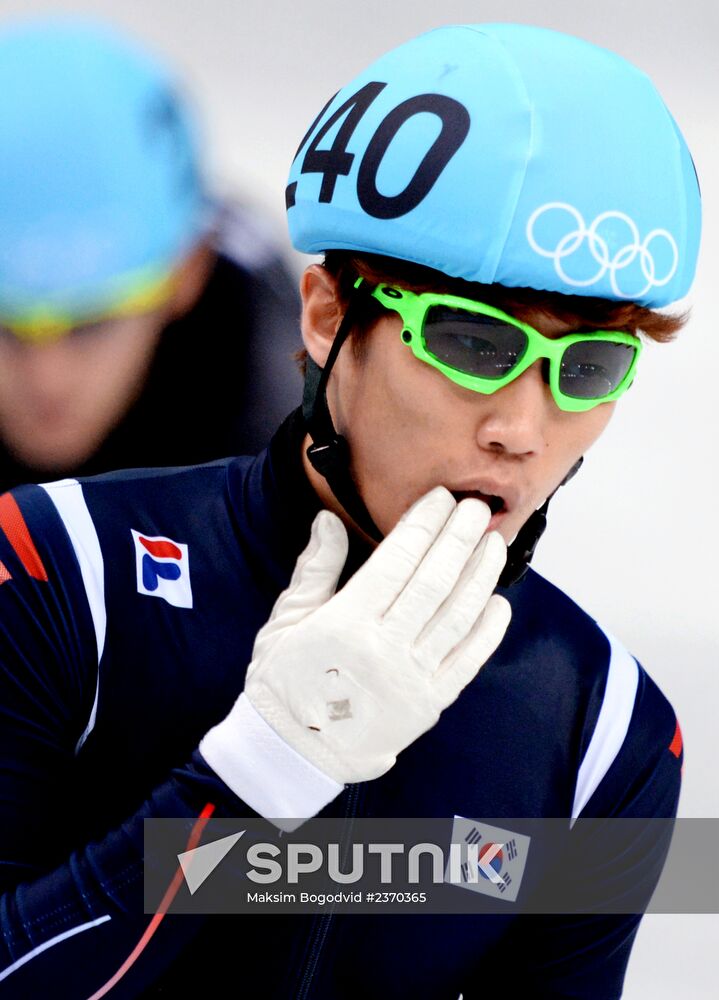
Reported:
(350, 680)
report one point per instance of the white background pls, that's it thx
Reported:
(634, 538)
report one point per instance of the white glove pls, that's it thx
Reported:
(350, 680)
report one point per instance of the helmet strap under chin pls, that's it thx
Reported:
(521, 551)
(329, 452)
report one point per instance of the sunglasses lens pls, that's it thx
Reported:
(473, 343)
(591, 369)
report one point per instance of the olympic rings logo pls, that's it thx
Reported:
(606, 263)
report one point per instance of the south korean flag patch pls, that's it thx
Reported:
(487, 859)
(163, 569)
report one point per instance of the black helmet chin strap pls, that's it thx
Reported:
(521, 551)
(329, 454)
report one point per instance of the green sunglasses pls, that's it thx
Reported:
(482, 348)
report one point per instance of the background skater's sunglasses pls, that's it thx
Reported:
(482, 348)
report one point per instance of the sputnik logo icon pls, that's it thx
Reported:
(198, 864)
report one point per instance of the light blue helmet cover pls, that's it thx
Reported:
(99, 182)
(505, 153)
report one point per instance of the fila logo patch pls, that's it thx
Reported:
(163, 569)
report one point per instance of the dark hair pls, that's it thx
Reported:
(579, 311)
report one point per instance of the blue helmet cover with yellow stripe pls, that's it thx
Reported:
(99, 183)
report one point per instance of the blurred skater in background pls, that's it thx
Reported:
(140, 323)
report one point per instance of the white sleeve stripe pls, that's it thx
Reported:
(612, 723)
(51, 944)
(66, 495)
